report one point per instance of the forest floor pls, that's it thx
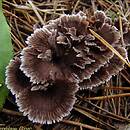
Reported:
(107, 108)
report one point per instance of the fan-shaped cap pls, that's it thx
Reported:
(124, 22)
(69, 44)
(109, 33)
(105, 73)
(99, 16)
(15, 79)
(48, 106)
(39, 39)
(59, 56)
(36, 65)
(126, 37)
(103, 26)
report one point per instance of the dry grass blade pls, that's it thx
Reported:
(118, 88)
(36, 12)
(26, 8)
(125, 75)
(93, 113)
(121, 29)
(109, 46)
(109, 96)
(107, 4)
(10, 112)
(107, 112)
(80, 125)
(73, 11)
(94, 118)
(17, 41)
(98, 113)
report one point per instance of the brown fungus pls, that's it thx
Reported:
(124, 23)
(15, 79)
(50, 106)
(126, 37)
(105, 73)
(35, 65)
(41, 105)
(62, 57)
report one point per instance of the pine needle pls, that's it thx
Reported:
(103, 41)
(109, 96)
(36, 12)
(81, 125)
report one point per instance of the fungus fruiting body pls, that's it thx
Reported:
(61, 58)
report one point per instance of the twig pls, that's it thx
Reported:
(23, 22)
(23, 7)
(89, 115)
(125, 75)
(81, 125)
(118, 88)
(19, 34)
(77, 3)
(36, 12)
(109, 96)
(107, 112)
(99, 113)
(17, 41)
(121, 30)
(10, 112)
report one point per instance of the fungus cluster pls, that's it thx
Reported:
(61, 58)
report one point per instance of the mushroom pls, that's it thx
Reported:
(61, 58)
(36, 65)
(124, 22)
(39, 104)
(15, 79)
(48, 106)
(105, 73)
(126, 37)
